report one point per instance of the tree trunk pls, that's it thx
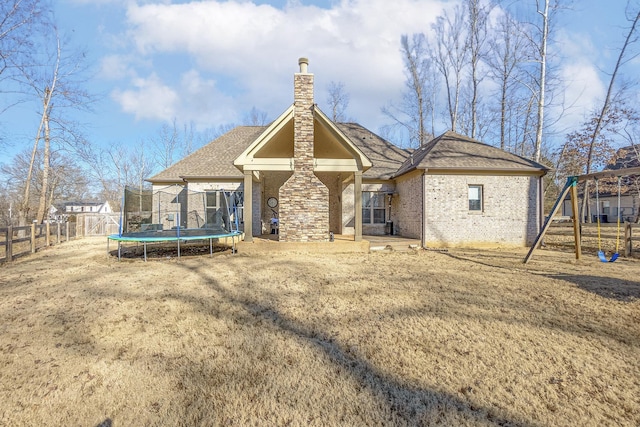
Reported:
(46, 163)
(543, 76)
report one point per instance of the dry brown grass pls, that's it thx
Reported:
(456, 338)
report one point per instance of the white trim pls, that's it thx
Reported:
(264, 138)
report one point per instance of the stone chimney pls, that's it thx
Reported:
(304, 199)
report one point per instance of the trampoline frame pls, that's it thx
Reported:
(173, 236)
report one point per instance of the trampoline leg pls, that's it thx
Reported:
(145, 251)
(210, 247)
(178, 248)
(119, 243)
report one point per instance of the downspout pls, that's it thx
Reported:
(541, 202)
(423, 230)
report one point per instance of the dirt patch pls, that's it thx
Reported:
(452, 338)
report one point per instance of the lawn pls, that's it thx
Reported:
(403, 338)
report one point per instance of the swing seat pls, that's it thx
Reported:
(603, 257)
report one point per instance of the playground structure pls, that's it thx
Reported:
(177, 214)
(570, 188)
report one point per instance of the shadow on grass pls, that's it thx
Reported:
(412, 405)
(606, 287)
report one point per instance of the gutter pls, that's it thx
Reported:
(423, 230)
(210, 178)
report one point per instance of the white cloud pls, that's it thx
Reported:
(149, 99)
(191, 99)
(256, 47)
(113, 67)
(584, 87)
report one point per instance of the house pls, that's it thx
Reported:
(606, 204)
(313, 177)
(87, 207)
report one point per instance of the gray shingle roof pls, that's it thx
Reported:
(214, 159)
(452, 151)
(448, 151)
(385, 157)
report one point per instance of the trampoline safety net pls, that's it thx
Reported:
(178, 207)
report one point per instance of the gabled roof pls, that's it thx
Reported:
(385, 157)
(214, 160)
(454, 152)
(250, 156)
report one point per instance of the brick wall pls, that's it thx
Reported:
(509, 216)
(304, 199)
(409, 189)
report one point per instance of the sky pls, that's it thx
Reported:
(210, 62)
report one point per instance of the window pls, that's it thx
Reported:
(373, 210)
(218, 213)
(475, 198)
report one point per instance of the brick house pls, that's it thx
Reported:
(317, 177)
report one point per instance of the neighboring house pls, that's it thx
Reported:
(317, 177)
(608, 206)
(626, 157)
(87, 207)
(56, 216)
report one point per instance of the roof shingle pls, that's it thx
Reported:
(452, 151)
(385, 157)
(214, 159)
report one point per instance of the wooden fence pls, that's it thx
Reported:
(99, 224)
(20, 241)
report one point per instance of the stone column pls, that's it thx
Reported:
(304, 199)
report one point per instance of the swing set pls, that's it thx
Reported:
(570, 187)
(601, 253)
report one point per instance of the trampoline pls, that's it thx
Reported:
(186, 235)
(177, 214)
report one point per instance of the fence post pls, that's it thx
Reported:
(9, 240)
(33, 237)
(628, 243)
(58, 234)
(66, 231)
(48, 237)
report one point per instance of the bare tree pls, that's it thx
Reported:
(544, 37)
(509, 49)
(256, 117)
(19, 20)
(338, 101)
(66, 179)
(601, 118)
(418, 98)
(55, 77)
(477, 36)
(450, 55)
(166, 143)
